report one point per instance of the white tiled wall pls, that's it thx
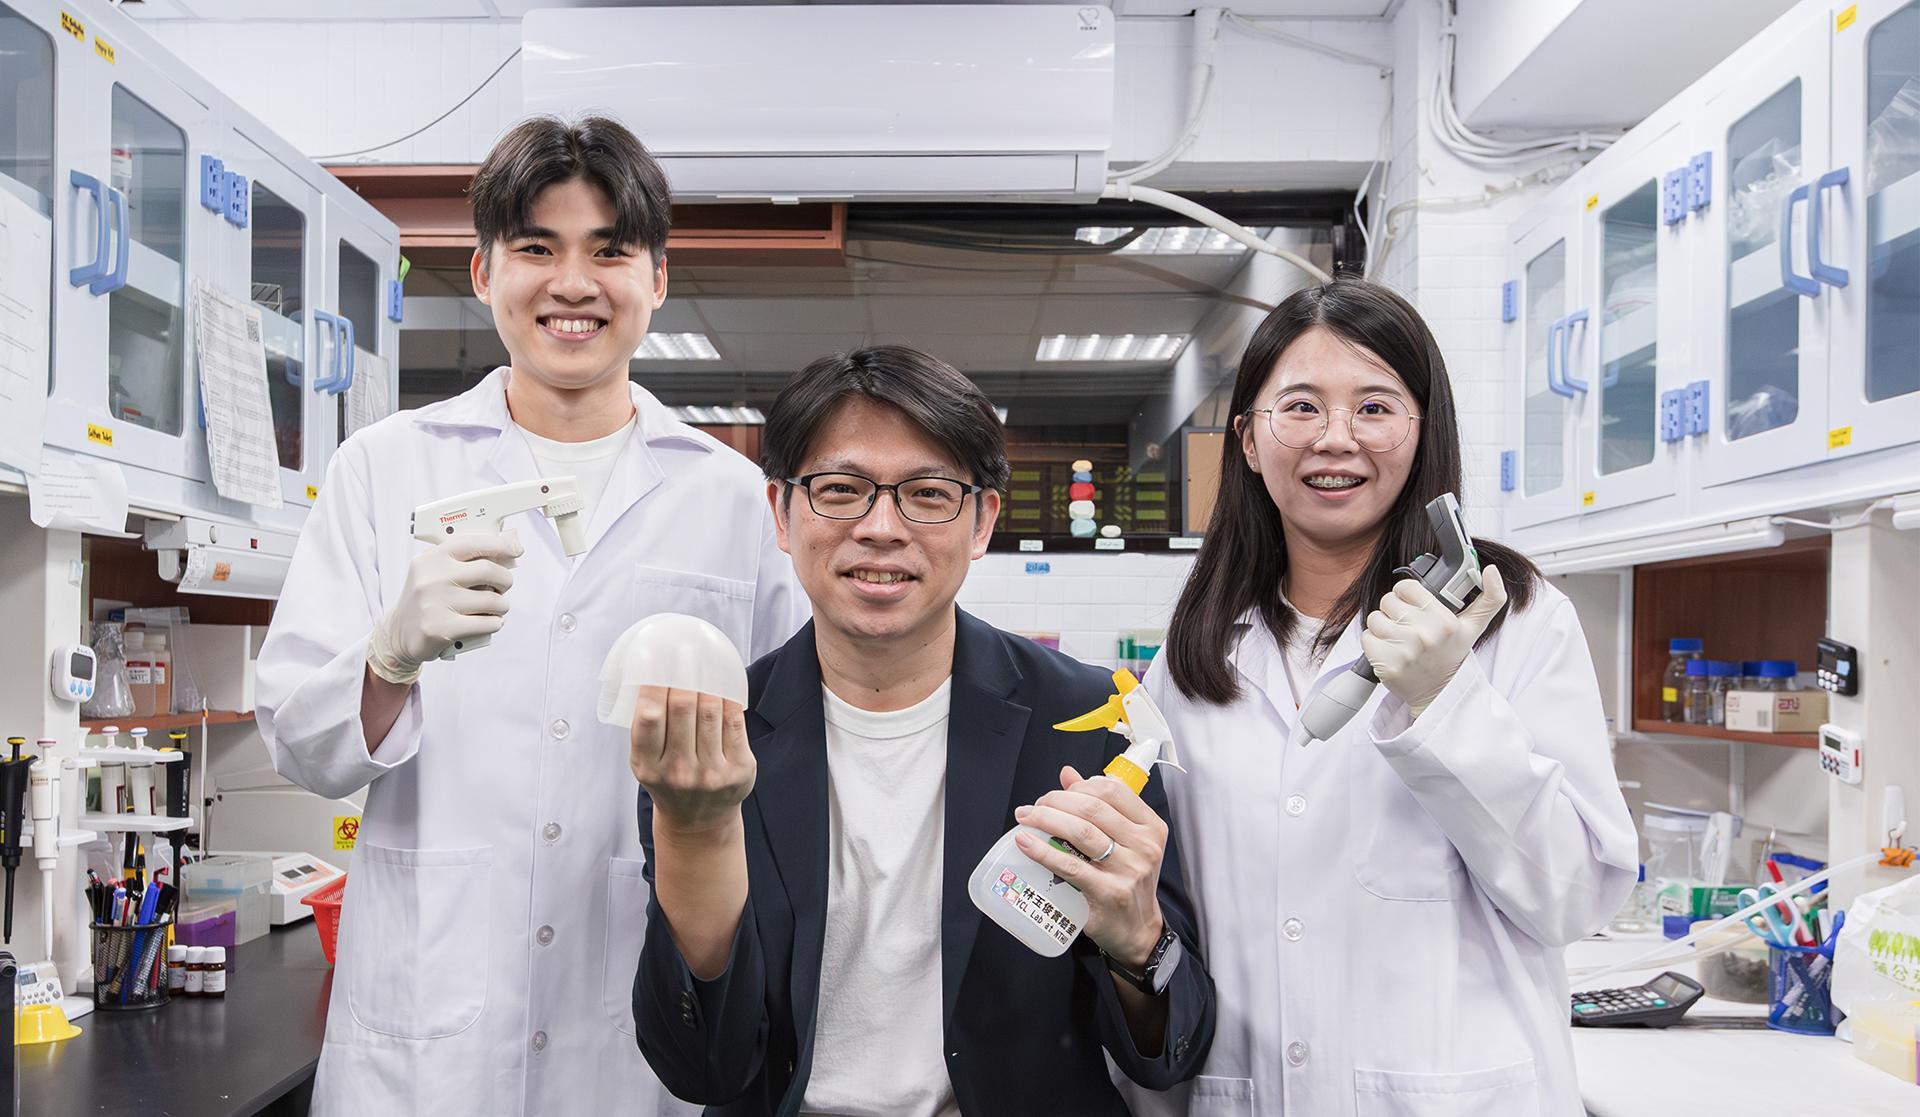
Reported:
(1087, 598)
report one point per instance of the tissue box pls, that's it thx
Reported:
(1776, 711)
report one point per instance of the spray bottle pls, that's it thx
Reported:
(1042, 910)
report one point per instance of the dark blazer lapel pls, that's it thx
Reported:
(985, 732)
(790, 791)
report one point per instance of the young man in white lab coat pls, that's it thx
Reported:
(476, 972)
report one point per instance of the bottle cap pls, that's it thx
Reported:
(1686, 644)
(136, 640)
(197, 954)
(176, 953)
(217, 954)
(1698, 668)
(1778, 668)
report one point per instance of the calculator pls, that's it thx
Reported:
(1657, 1004)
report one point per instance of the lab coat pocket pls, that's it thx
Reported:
(1214, 1096)
(418, 928)
(725, 603)
(1399, 851)
(1512, 1089)
(626, 932)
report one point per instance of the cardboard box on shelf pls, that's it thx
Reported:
(1776, 711)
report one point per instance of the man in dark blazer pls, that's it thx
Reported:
(811, 947)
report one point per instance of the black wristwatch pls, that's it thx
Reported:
(1158, 972)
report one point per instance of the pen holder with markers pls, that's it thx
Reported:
(1800, 989)
(130, 964)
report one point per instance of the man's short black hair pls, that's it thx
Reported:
(932, 393)
(543, 150)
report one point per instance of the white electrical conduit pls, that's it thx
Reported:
(1206, 39)
(1670, 952)
(1444, 119)
(1192, 209)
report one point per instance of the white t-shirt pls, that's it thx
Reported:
(590, 463)
(878, 1037)
(1303, 661)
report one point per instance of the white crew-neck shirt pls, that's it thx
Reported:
(878, 1036)
(590, 463)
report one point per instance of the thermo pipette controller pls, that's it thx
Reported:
(482, 510)
(1453, 576)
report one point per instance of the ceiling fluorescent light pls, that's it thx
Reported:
(1109, 347)
(1720, 539)
(1170, 240)
(676, 347)
(720, 415)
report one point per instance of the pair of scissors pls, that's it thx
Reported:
(1781, 919)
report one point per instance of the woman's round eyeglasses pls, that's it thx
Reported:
(1300, 419)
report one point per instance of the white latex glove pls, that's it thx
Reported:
(454, 590)
(1416, 643)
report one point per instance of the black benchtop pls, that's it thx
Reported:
(195, 1057)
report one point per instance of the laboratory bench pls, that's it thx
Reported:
(252, 1051)
(1704, 1068)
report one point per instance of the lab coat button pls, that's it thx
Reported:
(539, 1041)
(1293, 929)
(1296, 805)
(559, 729)
(551, 831)
(544, 936)
(567, 623)
(1296, 1053)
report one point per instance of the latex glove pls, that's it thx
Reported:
(454, 590)
(1416, 643)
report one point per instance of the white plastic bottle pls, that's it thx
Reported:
(1040, 909)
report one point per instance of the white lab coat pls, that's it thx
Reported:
(495, 906)
(1383, 913)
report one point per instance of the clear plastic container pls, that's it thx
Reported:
(1641, 912)
(1682, 650)
(1724, 677)
(1741, 973)
(1699, 694)
(246, 880)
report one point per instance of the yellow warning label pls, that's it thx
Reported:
(223, 572)
(346, 830)
(313, 492)
(1839, 437)
(1586, 500)
(99, 435)
(101, 48)
(1669, 694)
(73, 27)
(1593, 200)
(1846, 17)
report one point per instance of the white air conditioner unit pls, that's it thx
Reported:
(798, 102)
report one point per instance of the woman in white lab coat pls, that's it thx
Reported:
(1384, 912)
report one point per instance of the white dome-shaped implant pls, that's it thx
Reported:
(670, 650)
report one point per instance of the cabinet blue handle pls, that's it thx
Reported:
(346, 382)
(1824, 272)
(1554, 383)
(91, 271)
(1578, 317)
(1790, 279)
(331, 323)
(117, 278)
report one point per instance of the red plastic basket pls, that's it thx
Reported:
(326, 913)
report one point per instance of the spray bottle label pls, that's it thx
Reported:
(1024, 899)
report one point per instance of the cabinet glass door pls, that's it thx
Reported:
(1876, 339)
(1629, 331)
(359, 278)
(27, 176)
(1540, 403)
(1766, 345)
(146, 319)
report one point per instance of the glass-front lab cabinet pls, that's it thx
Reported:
(1762, 325)
(29, 190)
(362, 342)
(1875, 230)
(110, 140)
(1629, 337)
(133, 237)
(1542, 408)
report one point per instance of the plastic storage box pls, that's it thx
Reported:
(245, 879)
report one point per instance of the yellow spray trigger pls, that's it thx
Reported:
(1108, 715)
